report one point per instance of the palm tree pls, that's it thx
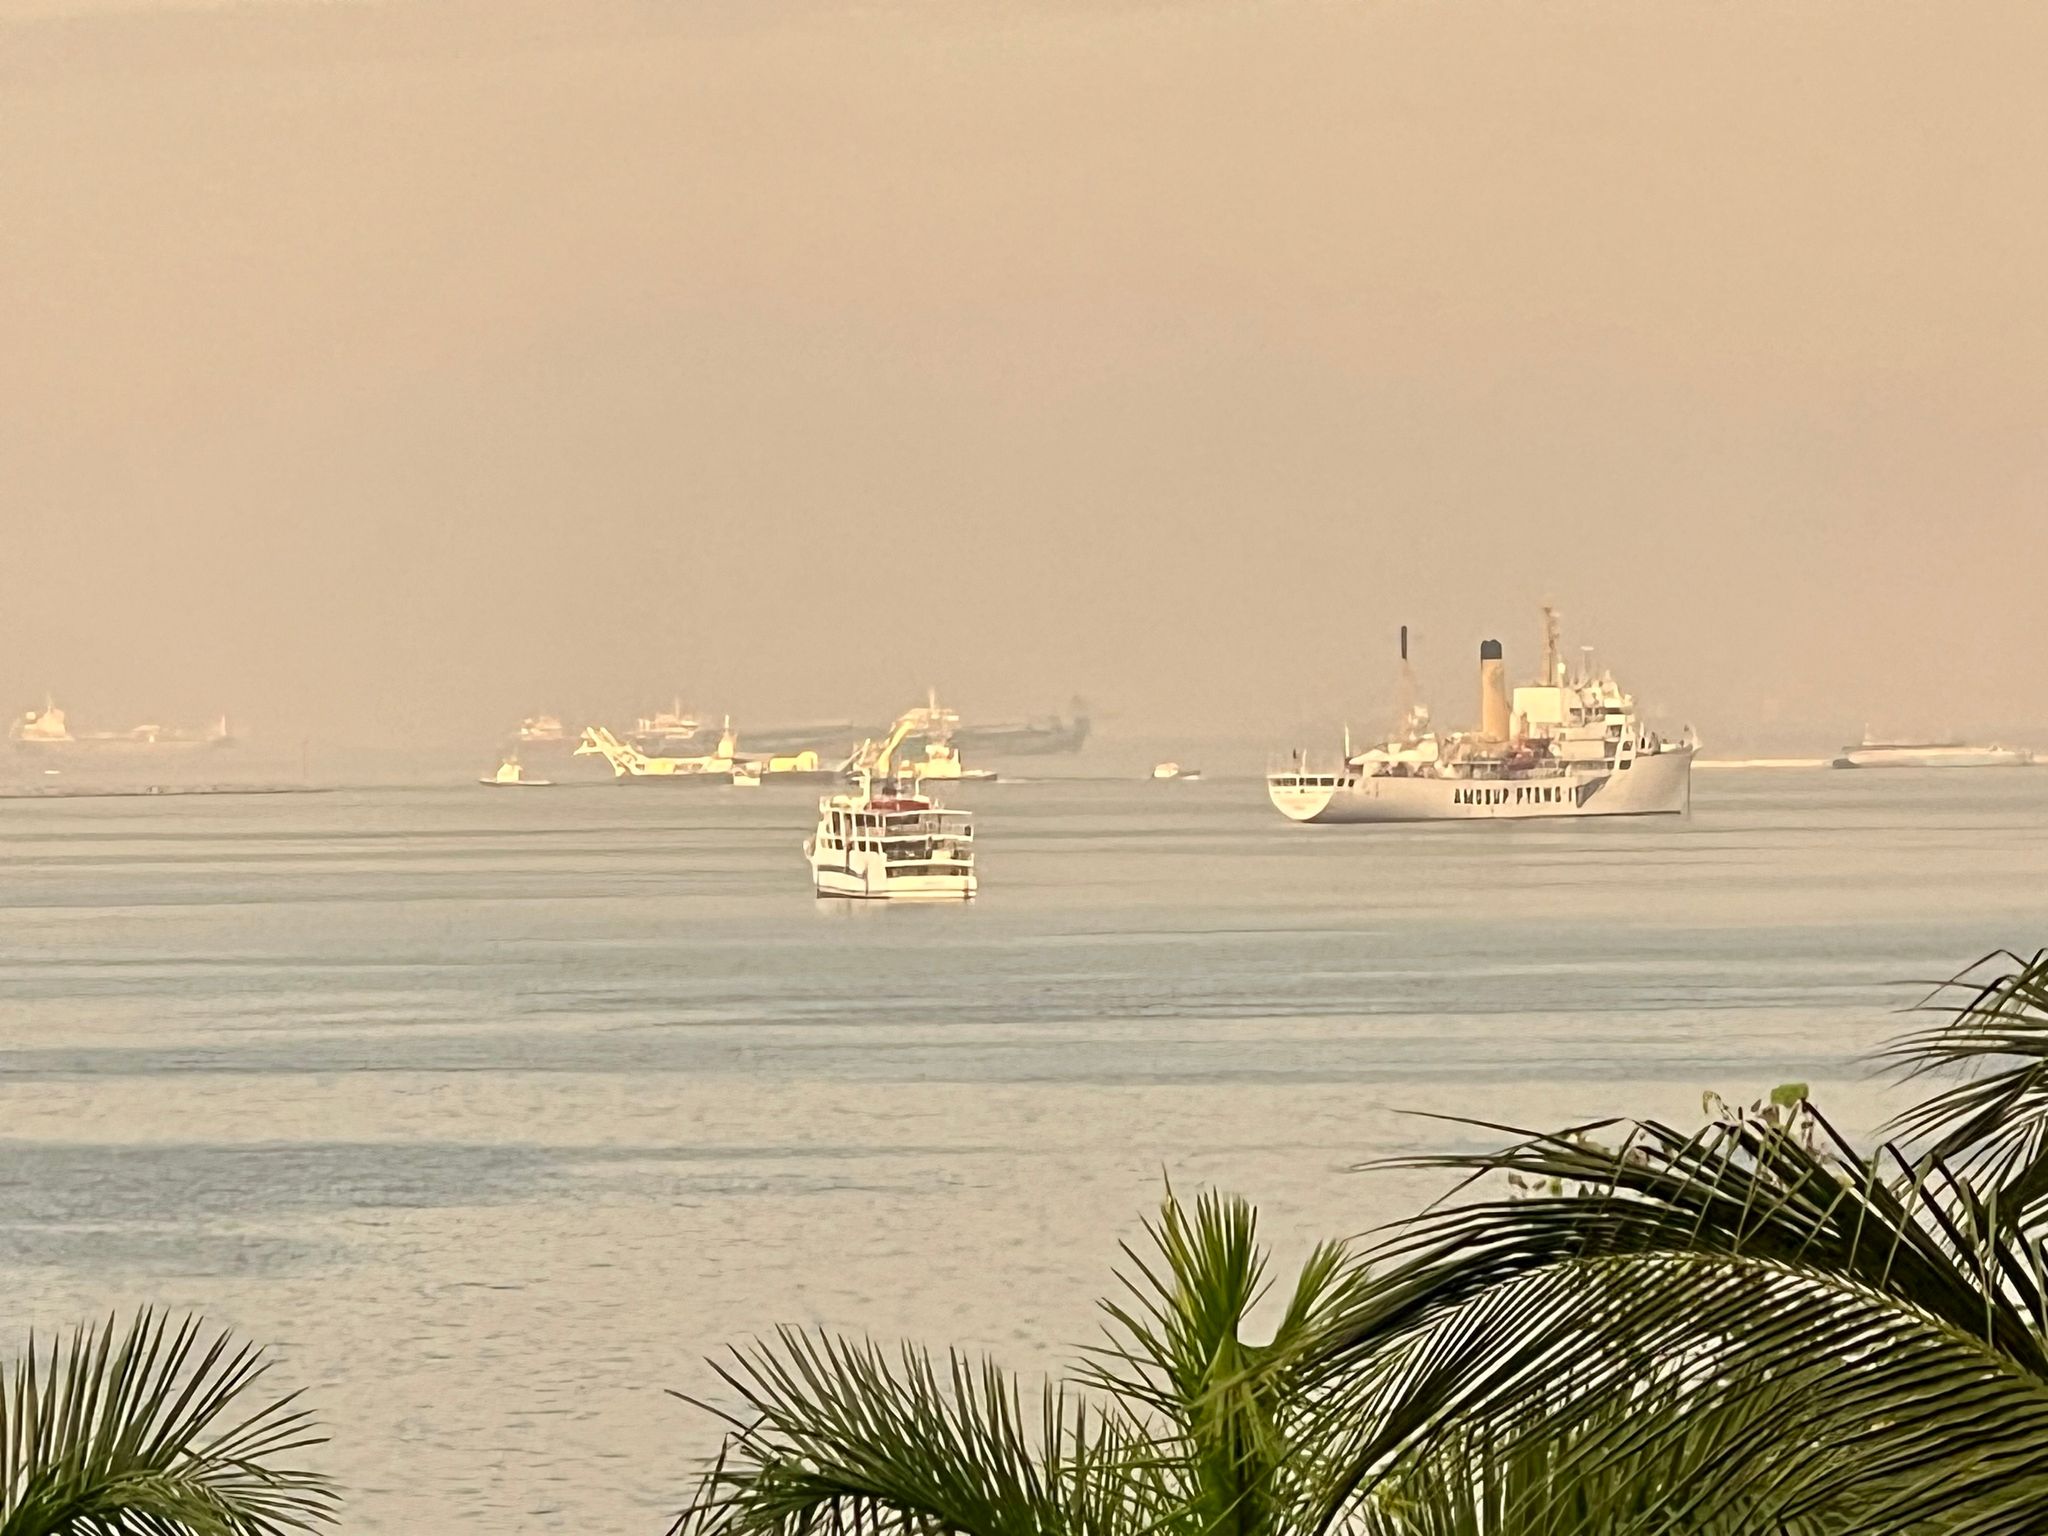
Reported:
(1176, 1423)
(1861, 1338)
(148, 1431)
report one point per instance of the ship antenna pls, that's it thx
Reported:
(1553, 663)
(1405, 698)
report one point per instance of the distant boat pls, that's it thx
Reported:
(746, 776)
(941, 761)
(1175, 771)
(667, 732)
(511, 776)
(542, 731)
(46, 730)
(1929, 754)
(929, 723)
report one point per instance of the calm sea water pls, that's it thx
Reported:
(496, 1112)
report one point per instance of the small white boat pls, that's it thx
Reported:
(746, 776)
(888, 841)
(511, 776)
(1175, 771)
(941, 761)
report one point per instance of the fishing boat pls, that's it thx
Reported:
(1569, 744)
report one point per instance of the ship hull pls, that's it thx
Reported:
(808, 778)
(119, 746)
(675, 781)
(1659, 784)
(1933, 757)
(1023, 741)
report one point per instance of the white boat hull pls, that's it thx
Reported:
(866, 877)
(1655, 784)
(1934, 757)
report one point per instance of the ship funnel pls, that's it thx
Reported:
(1493, 692)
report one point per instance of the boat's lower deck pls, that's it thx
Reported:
(1652, 784)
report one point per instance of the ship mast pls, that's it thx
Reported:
(1405, 696)
(1553, 661)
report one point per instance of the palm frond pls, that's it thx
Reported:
(1751, 1185)
(1760, 1251)
(149, 1430)
(1993, 1029)
(835, 1437)
(1176, 1348)
(1652, 1462)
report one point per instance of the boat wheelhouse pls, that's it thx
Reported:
(887, 841)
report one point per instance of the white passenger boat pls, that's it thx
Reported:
(1563, 746)
(888, 841)
(1870, 753)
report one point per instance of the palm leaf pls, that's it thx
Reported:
(149, 1430)
(1993, 1030)
(1725, 1264)
(834, 1437)
(1231, 1408)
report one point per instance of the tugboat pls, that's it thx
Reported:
(1566, 745)
(511, 776)
(941, 760)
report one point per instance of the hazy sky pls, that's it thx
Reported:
(410, 366)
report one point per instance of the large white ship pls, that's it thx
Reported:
(1565, 745)
(1929, 754)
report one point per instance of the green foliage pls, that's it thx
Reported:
(1177, 1423)
(1880, 1321)
(147, 1431)
(1753, 1327)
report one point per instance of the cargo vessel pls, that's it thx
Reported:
(47, 730)
(1568, 744)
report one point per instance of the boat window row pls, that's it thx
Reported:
(1312, 781)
